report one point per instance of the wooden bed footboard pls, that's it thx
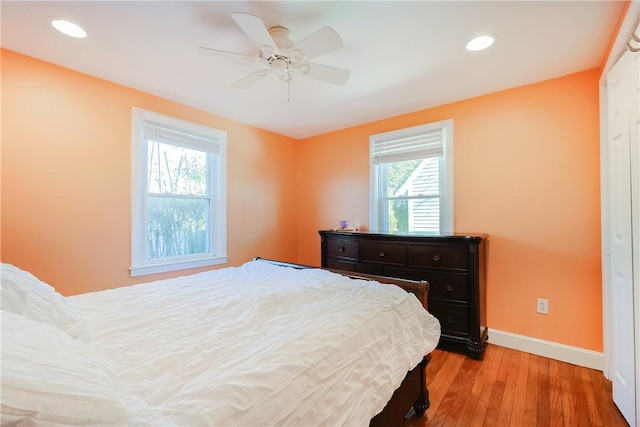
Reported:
(419, 288)
(413, 393)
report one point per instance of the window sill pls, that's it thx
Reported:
(142, 270)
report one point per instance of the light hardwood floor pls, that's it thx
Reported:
(512, 388)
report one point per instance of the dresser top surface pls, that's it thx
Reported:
(410, 235)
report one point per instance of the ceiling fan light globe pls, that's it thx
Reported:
(305, 69)
(296, 55)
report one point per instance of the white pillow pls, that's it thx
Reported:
(25, 294)
(49, 378)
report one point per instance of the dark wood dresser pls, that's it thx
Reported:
(454, 266)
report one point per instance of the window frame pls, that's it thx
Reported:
(217, 193)
(378, 215)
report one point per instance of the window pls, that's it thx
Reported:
(412, 179)
(178, 173)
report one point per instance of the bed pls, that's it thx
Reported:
(257, 345)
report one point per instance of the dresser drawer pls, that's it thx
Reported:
(446, 286)
(438, 256)
(454, 319)
(355, 267)
(343, 247)
(384, 252)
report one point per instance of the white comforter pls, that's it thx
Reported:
(258, 345)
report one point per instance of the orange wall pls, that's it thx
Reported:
(66, 178)
(527, 172)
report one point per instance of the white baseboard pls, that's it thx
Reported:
(564, 353)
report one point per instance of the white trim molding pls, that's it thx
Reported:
(552, 350)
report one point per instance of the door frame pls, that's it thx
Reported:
(630, 22)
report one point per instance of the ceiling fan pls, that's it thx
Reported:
(278, 54)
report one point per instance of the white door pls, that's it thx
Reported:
(620, 95)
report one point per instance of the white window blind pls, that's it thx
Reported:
(164, 134)
(416, 144)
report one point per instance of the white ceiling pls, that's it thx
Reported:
(404, 56)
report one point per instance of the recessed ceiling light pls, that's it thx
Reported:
(481, 42)
(69, 28)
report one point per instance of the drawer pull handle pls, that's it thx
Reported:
(436, 257)
(341, 249)
(449, 319)
(381, 252)
(449, 288)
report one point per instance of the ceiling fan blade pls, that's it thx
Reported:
(326, 73)
(323, 41)
(215, 52)
(251, 79)
(255, 29)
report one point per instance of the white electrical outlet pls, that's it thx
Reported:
(543, 306)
